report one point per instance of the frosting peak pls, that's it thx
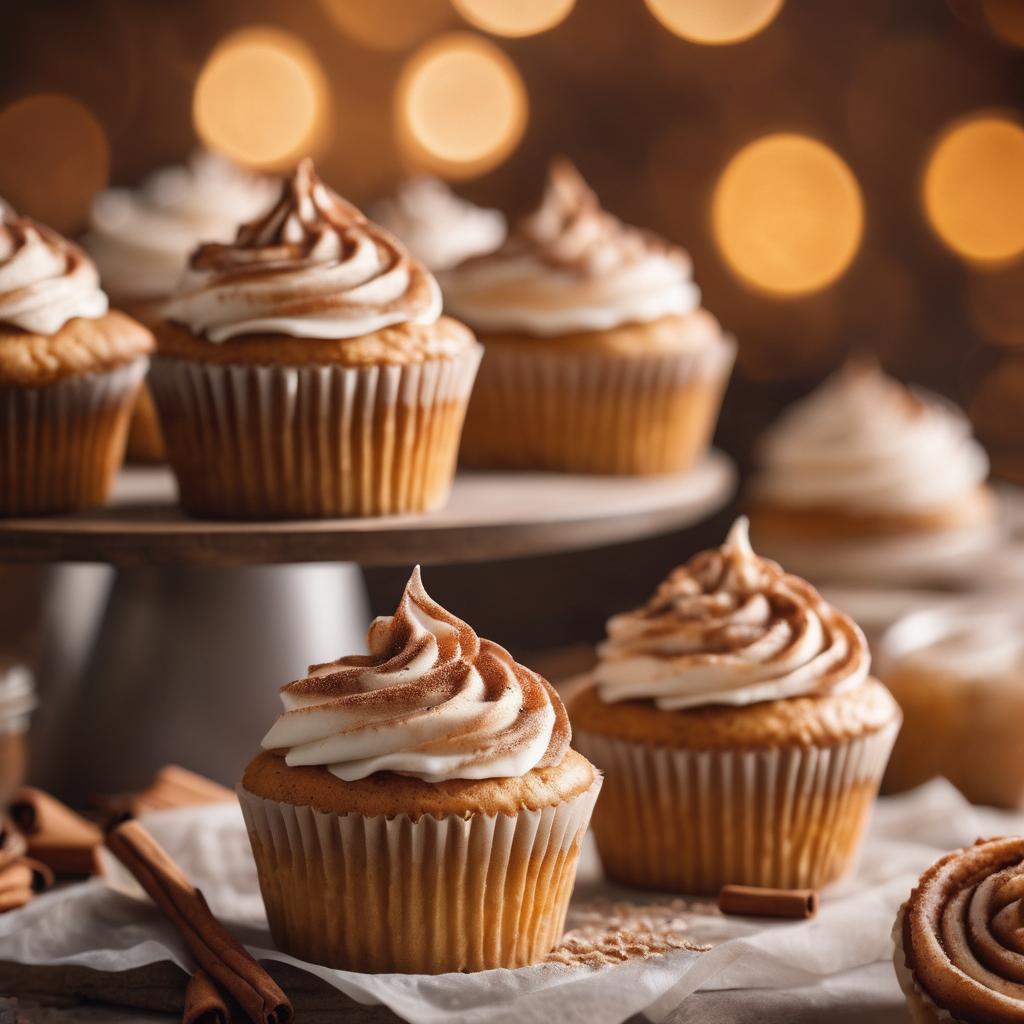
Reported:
(572, 266)
(730, 627)
(313, 267)
(45, 280)
(431, 700)
(864, 442)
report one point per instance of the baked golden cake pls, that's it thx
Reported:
(70, 369)
(959, 952)
(599, 358)
(418, 809)
(304, 370)
(869, 481)
(741, 736)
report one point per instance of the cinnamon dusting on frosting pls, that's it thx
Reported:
(431, 700)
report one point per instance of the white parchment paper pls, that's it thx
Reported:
(841, 958)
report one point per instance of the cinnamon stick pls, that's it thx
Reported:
(172, 786)
(60, 838)
(215, 949)
(755, 901)
(203, 1002)
(15, 886)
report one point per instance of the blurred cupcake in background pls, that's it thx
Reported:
(440, 228)
(995, 412)
(305, 370)
(70, 369)
(599, 358)
(140, 239)
(871, 482)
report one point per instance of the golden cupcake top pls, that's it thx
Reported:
(730, 628)
(431, 700)
(960, 936)
(312, 267)
(572, 266)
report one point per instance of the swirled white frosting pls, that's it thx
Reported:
(141, 238)
(571, 266)
(45, 280)
(431, 700)
(730, 628)
(439, 227)
(865, 443)
(313, 267)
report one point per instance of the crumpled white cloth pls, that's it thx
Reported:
(757, 969)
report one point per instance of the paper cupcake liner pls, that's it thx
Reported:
(62, 443)
(265, 442)
(693, 821)
(594, 413)
(426, 896)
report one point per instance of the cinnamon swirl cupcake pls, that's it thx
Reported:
(959, 946)
(741, 737)
(140, 239)
(418, 809)
(70, 369)
(869, 481)
(599, 357)
(305, 370)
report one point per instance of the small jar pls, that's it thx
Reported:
(17, 700)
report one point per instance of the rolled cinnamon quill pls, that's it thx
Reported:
(172, 786)
(215, 949)
(63, 840)
(204, 1003)
(753, 901)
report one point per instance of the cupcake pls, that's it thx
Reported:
(741, 737)
(70, 369)
(599, 358)
(995, 410)
(959, 951)
(141, 238)
(958, 674)
(869, 481)
(440, 228)
(418, 809)
(304, 370)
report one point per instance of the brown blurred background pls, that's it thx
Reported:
(845, 175)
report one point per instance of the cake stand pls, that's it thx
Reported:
(171, 636)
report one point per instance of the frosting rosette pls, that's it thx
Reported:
(960, 936)
(431, 700)
(732, 628)
(141, 237)
(865, 443)
(312, 267)
(439, 227)
(572, 266)
(45, 280)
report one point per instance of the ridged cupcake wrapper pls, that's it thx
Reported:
(693, 821)
(426, 896)
(61, 444)
(592, 413)
(315, 441)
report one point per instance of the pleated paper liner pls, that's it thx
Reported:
(693, 821)
(61, 444)
(595, 413)
(315, 441)
(426, 896)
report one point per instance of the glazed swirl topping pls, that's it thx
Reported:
(864, 442)
(45, 280)
(431, 700)
(962, 933)
(572, 266)
(730, 628)
(312, 267)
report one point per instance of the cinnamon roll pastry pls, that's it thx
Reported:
(960, 937)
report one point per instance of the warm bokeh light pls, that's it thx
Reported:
(514, 17)
(389, 24)
(1006, 19)
(461, 105)
(261, 99)
(787, 214)
(974, 188)
(55, 158)
(995, 300)
(715, 22)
